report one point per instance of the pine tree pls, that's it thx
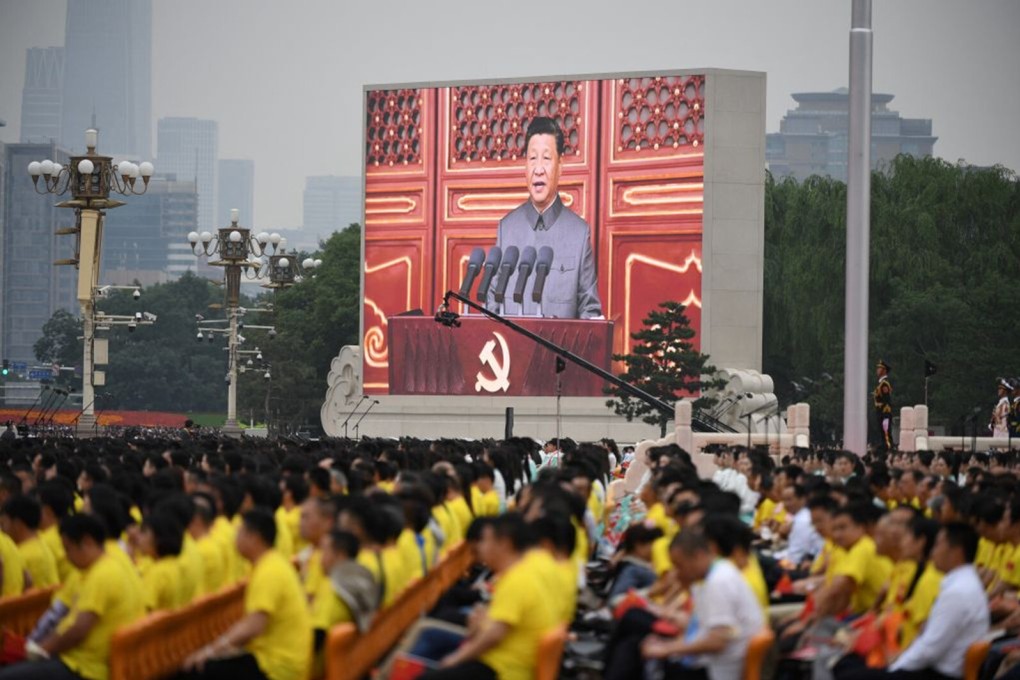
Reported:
(665, 364)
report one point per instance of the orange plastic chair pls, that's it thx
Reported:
(550, 653)
(976, 655)
(20, 613)
(757, 649)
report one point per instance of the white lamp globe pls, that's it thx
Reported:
(275, 238)
(35, 168)
(193, 237)
(47, 167)
(235, 236)
(206, 237)
(318, 262)
(133, 171)
(308, 263)
(263, 236)
(124, 168)
(85, 167)
(146, 169)
(284, 262)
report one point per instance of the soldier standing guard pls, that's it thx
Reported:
(883, 407)
(1014, 411)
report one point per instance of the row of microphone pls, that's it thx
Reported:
(500, 264)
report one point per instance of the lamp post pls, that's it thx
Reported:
(240, 253)
(89, 179)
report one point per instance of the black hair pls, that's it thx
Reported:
(639, 534)
(859, 513)
(55, 496)
(319, 478)
(727, 533)
(543, 125)
(690, 542)
(76, 527)
(512, 527)
(475, 529)
(297, 486)
(25, 509)
(260, 521)
(963, 536)
(345, 542)
(557, 529)
(168, 532)
(205, 507)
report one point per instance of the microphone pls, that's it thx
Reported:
(474, 266)
(542, 267)
(488, 269)
(506, 270)
(524, 269)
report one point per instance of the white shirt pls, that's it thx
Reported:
(958, 619)
(804, 540)
(732, 480)
(724, 600)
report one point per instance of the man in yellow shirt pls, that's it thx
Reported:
(318, 517)
(56, 501)
(19, 519)
(214, 557)
(294, 490)
(108, 596)
(274, 637)
(160, 540)
(503, 644)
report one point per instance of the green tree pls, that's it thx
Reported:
(61, 340)
(945, 249)
(665, 364)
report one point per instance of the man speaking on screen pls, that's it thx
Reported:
(571, 287)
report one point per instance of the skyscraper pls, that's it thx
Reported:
(107, 72)
(31, 287)
(236, 179)
(331, 203)
(138, 237)
(812, 139)
(42, 95)
(187, 148)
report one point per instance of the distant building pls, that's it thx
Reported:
(300, 240)
(330, 204)
(187, 148)
(812, 139)
(139, 238)
(107, 76)
(42, 95)
(236, 179)
(31, 286)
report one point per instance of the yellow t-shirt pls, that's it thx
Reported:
(192, 569)
(581, 553)
(867, 569)
(327, 607)
(114, 550)
(453, 533)
(414, 558)
(763, 513)
(162, 585)
(225, 534)
(660, 555)
(596, 506)
(918, 606)
(459, 507)
(526, 605)
(314, 575)
(900, 578)
(39, 562)
(284, 539)
(214, 564)
(14, 567)
(559, 579)
(396, 573)
(986, 549)
(113, 592)
(486, 504)
(292, 518)
(51, 537)
(284, 649)
(1009, 570)
(755, 578)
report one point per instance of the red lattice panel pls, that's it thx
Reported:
(653, 113)
(488, 122)
(394, 128)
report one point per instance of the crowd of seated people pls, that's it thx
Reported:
(883, 566)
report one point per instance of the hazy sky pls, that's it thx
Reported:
(284, 78)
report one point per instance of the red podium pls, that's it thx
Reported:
(486, 358)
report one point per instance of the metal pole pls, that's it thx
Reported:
(87, 420)
(858, 221)
(231, 427)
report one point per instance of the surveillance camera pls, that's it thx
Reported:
(210, 337)
(138, 316)
(199, 317)
(240, 339)
(267, 376)
(100, 292)
(226, 379)
(199, 336)
(240, 325)
(272, 333)
(250, 363)
(149, 317)
(259, 356)
(132, 326)
(137, 294)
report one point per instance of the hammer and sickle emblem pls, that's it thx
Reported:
(501, 370)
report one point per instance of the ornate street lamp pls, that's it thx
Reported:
(89, 179)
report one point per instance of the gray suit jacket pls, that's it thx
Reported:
(571, 289)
